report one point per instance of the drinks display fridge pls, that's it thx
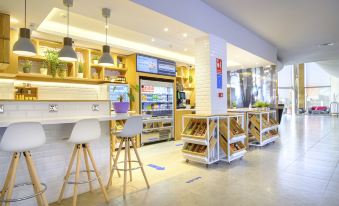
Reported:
(156, 106)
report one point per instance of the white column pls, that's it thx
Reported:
(209, 98)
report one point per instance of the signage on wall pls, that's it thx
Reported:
(153, 65)
(219, 76)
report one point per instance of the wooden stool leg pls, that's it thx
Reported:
(8, 178)
(87, 169)
(125, 166)
(96, 172)
(115, 164)
(140, 163)
(129, 159)
(13, 176)
(77, 174)
(68, 173)
(111, 160)
(34, 181)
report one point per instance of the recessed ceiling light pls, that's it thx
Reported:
(327, 44)
(166, 29)
(184, 35)
(256, 63)
(14, 20)
(185, 49)
(153, 40)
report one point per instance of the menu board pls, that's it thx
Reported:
(155, 65)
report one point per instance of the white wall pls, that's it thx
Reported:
(54, 90)
(285, 78)
(207, 50)
(315, 76)
(201, 16)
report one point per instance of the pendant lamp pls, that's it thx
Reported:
(106, 58)
(24, 45)
(67, 53)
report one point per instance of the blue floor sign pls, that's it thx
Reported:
(156, 167)
(194, 179)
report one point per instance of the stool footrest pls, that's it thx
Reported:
(83, 182)
(130, 169)
(44, 188)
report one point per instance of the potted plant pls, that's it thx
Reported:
(52, 61)
(27, 66)
(44, 68)
(121, 106)
(80, 70)
(62, 70)
(261, 105)
(234, 104)
(95, 59)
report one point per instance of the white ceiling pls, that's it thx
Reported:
(238, 58)
(295, 27)
(129, 22)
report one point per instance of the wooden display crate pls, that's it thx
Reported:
(197, 128)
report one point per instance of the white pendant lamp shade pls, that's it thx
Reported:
(24, 46)
(106, 58)
(67, 53)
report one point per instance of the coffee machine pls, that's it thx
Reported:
(181, 100)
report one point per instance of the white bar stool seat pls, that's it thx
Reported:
(84, 131)
(19, 139)
(132, 128)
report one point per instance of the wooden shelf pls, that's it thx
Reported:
(49, 78)
(33, 58)
(108, 68)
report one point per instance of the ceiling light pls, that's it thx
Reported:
(14, 20)
(184, 35)
(24, 45)
(153, 40)
(67, 53)
(327, 44)
(256, 63)
(185, 49)
(106, 58)
(166, 29)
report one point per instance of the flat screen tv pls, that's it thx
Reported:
(153, 65)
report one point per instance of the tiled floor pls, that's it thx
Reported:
(299, 169)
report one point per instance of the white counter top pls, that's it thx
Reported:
(64, 120)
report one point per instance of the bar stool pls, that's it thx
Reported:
(132, 128)
(83, 132)
(20, 138)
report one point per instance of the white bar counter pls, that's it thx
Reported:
(51, 159)
(64, 120)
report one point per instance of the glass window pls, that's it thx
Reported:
(286, 97)
(318, 96)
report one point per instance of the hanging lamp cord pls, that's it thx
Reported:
(25, 13)
(68, 20)
(106, 27)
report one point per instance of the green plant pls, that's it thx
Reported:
(234, 103)
(80, 67)
(44, 64)
(261, 104)
(95, 57)
(27, 64)
(131, 97)
(190, 79)
(53, 62)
